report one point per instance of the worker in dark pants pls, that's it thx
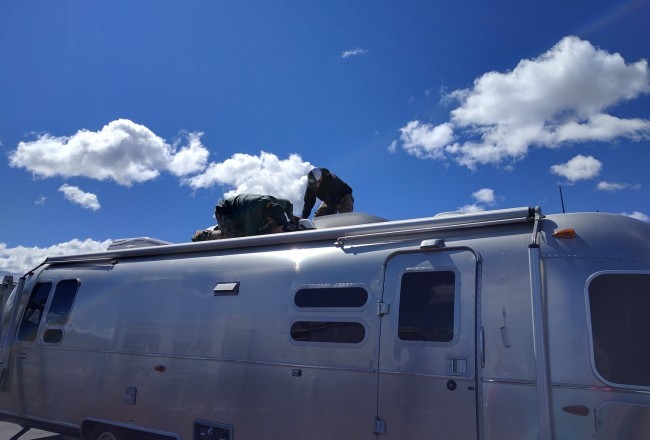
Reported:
(335, 194)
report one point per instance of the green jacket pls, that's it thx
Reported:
(247, 211)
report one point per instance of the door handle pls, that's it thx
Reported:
(22, 356)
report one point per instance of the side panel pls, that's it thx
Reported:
(427, 371)
(584, 401)
(149, 344)
(597, 288)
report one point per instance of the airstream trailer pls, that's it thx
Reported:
(505, 324)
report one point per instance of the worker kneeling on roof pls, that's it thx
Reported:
(253, 214)
(335, 194)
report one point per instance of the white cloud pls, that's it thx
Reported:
(191, 158)
(426, 141)
(615, 186)
(610, 186)
(79, 197)
(555, 99)
(471, 208)
(263, 174)
(122, 151)
(40, 201)
(638, 215)
(354, 52)
(579, 168)
(484, 195)
(19, 260)
(392, 148)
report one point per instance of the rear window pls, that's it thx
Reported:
(619, 308)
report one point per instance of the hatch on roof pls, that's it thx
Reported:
(138, 242)
(346, 219)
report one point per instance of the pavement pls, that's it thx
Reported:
(9, 430)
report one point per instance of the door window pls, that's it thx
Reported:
(426, 310)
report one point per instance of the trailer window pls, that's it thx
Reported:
(64, 296)
(331, 297)
(328, 331)
(426, 308)
(619, 305)
(34, 312)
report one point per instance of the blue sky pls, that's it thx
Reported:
(126, 119)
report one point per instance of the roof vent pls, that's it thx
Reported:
(139, 242)
(346, 219)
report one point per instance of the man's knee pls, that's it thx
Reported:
(322, 210)
(346, 204)
(228, 228)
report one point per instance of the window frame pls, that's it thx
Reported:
(590, 328)
(312, 318)
(456, 307)
(44, 320)
(330, 314)
(43, 312)
(53, 296)
(333, 287)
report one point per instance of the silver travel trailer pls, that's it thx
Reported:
(504, 324)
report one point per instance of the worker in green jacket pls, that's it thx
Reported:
(252, 214)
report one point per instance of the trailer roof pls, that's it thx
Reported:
(372, 226)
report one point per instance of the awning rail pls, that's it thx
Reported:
(392, 229)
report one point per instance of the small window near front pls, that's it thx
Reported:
(426, 309)
(34, 312)
(328, 331)
(331, 297)
(619, 307)
(64, 296)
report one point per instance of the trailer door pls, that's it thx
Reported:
(427, 369)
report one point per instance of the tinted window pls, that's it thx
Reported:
(426, 310)
(53, 335)
(323, 331)
(62, 301)
(331, 297)
(34, 312)
(619, 305)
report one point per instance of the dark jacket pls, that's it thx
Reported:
(330, 191)
(247, 211)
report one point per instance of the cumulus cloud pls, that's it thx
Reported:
(471, 208)
(558, 98)
(19, 260)
(128, 153)
(354, 52)
(484, 198)
(263, 174)
(426, 141)
(484, 195)
(638, 215)
(615, 186)
(79, 197)
(122, 151)
(579, 168)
